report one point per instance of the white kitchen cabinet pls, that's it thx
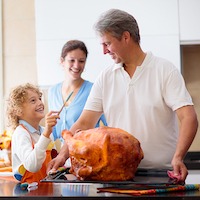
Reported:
(189, 16)
(59, 21)
(193, 177)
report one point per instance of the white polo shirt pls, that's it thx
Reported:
(143, 105)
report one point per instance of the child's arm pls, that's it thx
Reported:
(23, 152)
(50, 122)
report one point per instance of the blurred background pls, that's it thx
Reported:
(32, 33)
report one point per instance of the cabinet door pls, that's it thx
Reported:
(189, 16)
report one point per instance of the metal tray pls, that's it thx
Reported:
(142, 177)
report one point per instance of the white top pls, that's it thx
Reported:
(22, 149)
(143, 105)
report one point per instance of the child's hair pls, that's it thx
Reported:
(16, 98)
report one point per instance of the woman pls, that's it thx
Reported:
(73, 59)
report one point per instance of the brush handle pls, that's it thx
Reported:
(65, 102)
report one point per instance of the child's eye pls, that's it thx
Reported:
(33, 100)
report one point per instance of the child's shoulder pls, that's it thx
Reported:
(19, 131)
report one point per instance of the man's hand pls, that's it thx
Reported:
(179, 169)
(60, 160)
(55, 163)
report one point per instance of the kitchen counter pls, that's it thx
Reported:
(10, 190)
(61, 190)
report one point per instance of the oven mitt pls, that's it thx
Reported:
(176, 179)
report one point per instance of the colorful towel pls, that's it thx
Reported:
(175, 178)
(150, 191)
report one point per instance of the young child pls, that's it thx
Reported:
(30, 152)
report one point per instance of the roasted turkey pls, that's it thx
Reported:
(105, 154)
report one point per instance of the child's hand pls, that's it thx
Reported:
(50, 122)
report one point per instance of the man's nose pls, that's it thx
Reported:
(105, 50)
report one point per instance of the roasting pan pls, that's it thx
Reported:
(142, 177)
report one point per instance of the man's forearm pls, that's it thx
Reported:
(64, 152)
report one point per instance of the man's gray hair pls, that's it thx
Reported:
(115, 22)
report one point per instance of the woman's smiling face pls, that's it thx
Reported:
(74, 63)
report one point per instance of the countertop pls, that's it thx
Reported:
(61, 190)
(10, 190)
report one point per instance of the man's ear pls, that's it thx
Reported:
(126, 35)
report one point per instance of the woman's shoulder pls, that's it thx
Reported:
(86, 87)
(88, 83)
(54, 88)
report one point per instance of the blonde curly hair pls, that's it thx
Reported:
(17, 97)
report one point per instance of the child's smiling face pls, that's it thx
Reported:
(32, 108)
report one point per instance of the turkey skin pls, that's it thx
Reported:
(103, 154)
